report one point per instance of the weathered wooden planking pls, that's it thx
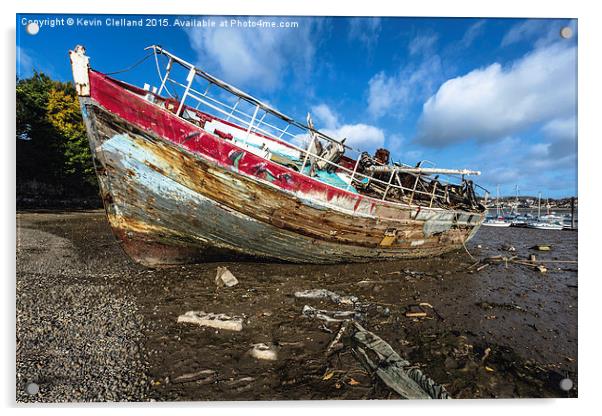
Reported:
(170, 201)
(154, 207)
(127, 102)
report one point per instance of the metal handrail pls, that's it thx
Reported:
(190, 92)
(249, 98)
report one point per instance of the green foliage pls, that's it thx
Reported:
(52, 147)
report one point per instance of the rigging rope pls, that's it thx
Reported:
(131, 67)
(140, 62)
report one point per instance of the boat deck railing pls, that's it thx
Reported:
(261, 118)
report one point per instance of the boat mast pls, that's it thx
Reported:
(539, 207)
(497, 202)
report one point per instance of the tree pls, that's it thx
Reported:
(64, 114)
(52, 147)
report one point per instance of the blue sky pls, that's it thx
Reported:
(496, 95)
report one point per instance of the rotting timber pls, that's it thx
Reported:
(178, 182)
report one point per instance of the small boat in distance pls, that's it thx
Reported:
(539, 225)
(519, 220)
(498, 220)
(546, 222)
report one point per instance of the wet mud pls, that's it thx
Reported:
(507, 330)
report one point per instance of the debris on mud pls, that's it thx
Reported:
(225, 278)
(262, 351)
(495, 311)
(397, 373)
(213, 320)
(326, 294)
(415, 311)
(329, 316)
(202, 377)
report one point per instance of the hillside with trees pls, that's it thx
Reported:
(53, 160)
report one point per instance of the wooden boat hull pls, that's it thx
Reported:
(172, 202)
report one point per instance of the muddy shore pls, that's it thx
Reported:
(93, 326)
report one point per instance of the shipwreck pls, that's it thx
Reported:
(195, 165)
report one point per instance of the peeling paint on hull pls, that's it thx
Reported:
(170, 203)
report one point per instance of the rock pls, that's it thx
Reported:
(225, 278)
(212, 320)
(384, 311)
(262, 351)
(450, 363)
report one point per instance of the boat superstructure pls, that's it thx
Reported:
(184, 172)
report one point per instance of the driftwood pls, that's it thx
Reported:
(378, 356)
(338, 336)
(202, 377)
(531, 262)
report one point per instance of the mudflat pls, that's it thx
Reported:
(94, 326)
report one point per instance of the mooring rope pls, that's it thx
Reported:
(468, 252)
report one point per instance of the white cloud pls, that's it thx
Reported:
(24, 63)
(548, 164)
(422, 44)
(255, 56)
(366, 30)
(324, 114)
(561, 145)
(384, 92)
(390, 94)
(543, 31)
(497, 101)
(563, 129)
(487, 160)
(361, 136)
(472, 33)
(413, 156)
(395, 143)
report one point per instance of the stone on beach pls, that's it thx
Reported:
(262, 351)
(225, 278)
